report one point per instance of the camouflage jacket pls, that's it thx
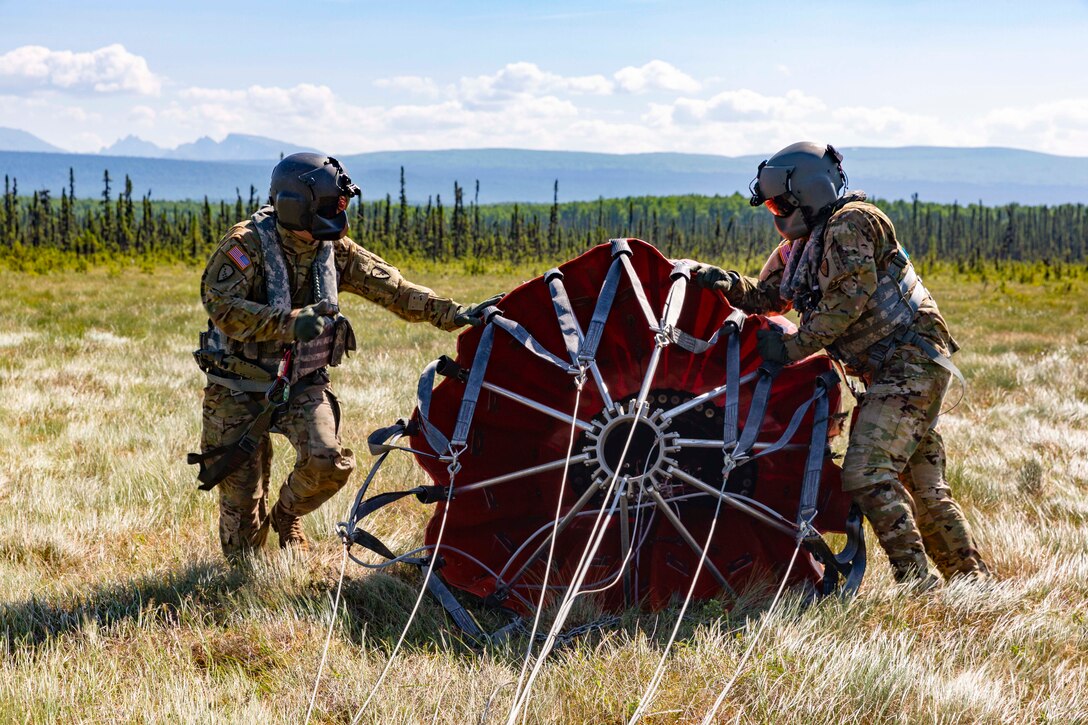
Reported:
(233, 286)
(859, 240)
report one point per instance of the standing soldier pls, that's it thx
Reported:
(270, 289)
(858, 296)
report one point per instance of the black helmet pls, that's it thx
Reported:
(310, 192)
(798, 185)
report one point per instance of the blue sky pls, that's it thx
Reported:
(621, 76)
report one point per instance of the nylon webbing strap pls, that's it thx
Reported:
(790, 431)
(681, 273)
(368, 540)
(438, 442)
(732, 391)
(757, 410)
(378, 441)
(814, 465)
(475, 384)
(426, 494)
(526, 340)
(568, 325)
(695, 345)
(588, 350)
(232, 455)
(913, 338)
(242, 386)
(459, 614)
(622, 250)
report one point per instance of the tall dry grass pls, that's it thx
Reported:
(117, 607)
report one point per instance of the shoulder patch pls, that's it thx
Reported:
(784, 252)
(825, 268)
(225, 273)
(379, 273)
(240, 258)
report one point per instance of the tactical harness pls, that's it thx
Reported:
(243, 369)
(889, 315)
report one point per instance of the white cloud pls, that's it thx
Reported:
(1059, 127)
(518, 105)
(744, 104)
(419, 85)
(657, 75)
(143, 115)
(111, 69)
(520, 80)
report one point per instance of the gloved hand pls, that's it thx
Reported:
(770, 346)
(311, 321)
(708, 276)
(472, 314)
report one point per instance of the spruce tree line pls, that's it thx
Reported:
(117, 225)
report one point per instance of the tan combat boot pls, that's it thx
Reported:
(289, 529)
(914, 572)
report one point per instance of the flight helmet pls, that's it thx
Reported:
(799, 185)
(310, 192)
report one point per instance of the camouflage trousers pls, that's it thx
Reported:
(894, 468)
(311, 422)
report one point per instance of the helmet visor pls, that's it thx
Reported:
(329, 206)
(780, 206)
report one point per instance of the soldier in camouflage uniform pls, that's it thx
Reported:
(270, 290)
(859, 298)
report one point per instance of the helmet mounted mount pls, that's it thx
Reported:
(310, 193)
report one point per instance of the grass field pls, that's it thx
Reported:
(117, 607)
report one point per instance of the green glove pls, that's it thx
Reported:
(770, 346)
(708, 276)
(312, 320)
(472, 314)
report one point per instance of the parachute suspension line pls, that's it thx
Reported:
(673, 302)
(582, 356)
(457, 446)
(579, 384)
(729, 440)
(709, 717)
(343, 529)
(597, 533)
(659, 672)
(328, 636)
(454, 466)
(610, 581)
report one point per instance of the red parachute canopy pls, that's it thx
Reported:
(496, 537)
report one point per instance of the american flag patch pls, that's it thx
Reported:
(240, 259)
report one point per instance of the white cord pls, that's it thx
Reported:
(762, 626)
(659, 672)
(419, 599)
(596, 536)
(328, 637)
(551, 546)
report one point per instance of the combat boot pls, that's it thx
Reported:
(914, 572)
(289, 529)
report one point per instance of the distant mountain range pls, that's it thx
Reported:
(221, 169)
(235, 147)
(12, 139)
